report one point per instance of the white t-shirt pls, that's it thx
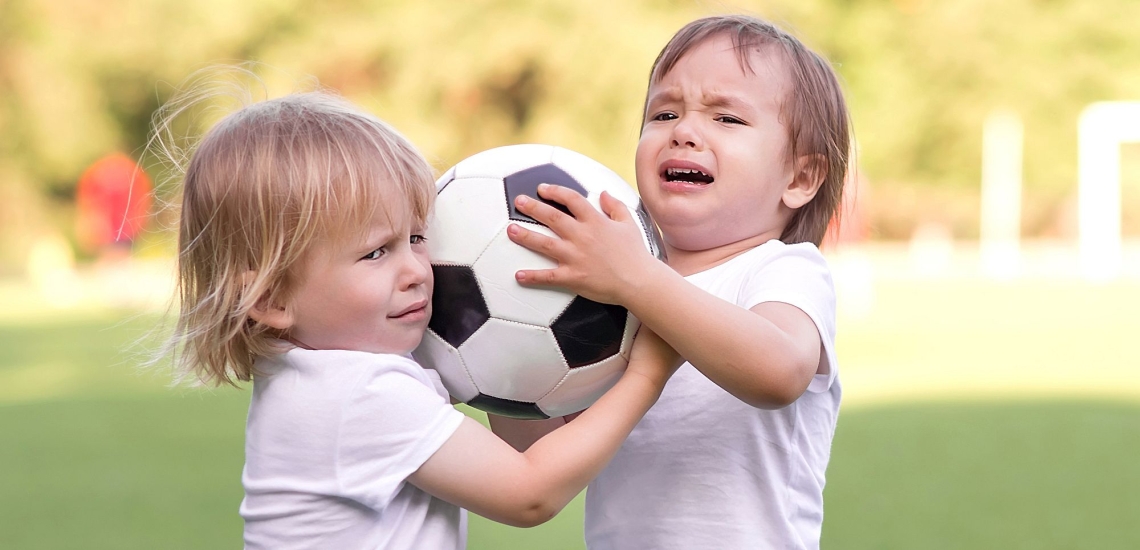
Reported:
(705, 470)
(331, 439)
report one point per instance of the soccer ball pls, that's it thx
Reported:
(501, 347)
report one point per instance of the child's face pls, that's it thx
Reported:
(366, 295)
(712, 161)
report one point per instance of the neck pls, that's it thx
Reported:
(688, 262)
(297, 343)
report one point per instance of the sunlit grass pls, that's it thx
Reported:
(976, 339)
(969, 475)
(976, 416)
(145, 471)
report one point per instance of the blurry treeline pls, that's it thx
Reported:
(81, 78)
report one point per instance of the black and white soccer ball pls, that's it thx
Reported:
(501, 347)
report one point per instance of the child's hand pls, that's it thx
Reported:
(600, 254)
(652, 358)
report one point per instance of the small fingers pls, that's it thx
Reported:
(546, 214)
(533, 240)
(614, 208)
(579, 207)
(543, 277)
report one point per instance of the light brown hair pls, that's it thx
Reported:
(262, 186)
(815, 112)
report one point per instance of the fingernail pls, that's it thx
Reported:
(519, 276)
(522, 199)
(542, 186)
(512, 229)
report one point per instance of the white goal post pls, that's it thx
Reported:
(1103, 127)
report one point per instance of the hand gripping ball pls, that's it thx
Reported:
(497, 345)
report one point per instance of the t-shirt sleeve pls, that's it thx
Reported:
(391, 425)
(799, 275)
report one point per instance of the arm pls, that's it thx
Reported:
(521, 434)
(764, 356)
(478, 471)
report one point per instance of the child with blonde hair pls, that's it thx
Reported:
(302, 267)
(741, 161)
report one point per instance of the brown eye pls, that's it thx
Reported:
(375, 254)
(728, 119)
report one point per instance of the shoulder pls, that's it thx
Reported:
(767, 264)
(342, 362)
(777, 254)
(776, 263)
(341, 372)
(797, 274)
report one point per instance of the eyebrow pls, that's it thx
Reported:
(710, 99)
(730, 102)
(371, 240)
(668, 95)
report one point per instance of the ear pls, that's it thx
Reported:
(267, 313)
(810, 171)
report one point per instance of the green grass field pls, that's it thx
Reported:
(994, 418)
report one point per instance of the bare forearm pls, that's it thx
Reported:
(739, 350)
(575, 453)
(477, 470)
(521, 434)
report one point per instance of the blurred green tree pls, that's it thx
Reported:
(80, 78)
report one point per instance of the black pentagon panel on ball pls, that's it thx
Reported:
(506, 407)
(525, 182)
(588, 331)
(458, 308)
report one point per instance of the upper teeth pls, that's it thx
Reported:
(688, 175)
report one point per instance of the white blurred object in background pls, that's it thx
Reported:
(51, 270)
(1102, 128)
(1001, 195)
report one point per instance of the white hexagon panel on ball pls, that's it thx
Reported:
(445, 360)
(513, 361)
(582, 387)
(506, 298)
(503, 161)
(466, 219)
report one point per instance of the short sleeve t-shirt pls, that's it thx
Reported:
(705, 470)
(331, 439)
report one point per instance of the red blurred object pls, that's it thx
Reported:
(113, 201)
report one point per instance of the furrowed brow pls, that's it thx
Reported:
(668, 95)
(729, 102)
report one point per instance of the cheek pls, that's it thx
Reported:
(647, 146)
(645, 168)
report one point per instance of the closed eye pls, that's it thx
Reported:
(729, 119)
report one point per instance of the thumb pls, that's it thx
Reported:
(614, 208)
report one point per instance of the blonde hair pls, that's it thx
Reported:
(816, 113)
(261, 187)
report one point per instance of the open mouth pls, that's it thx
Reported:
(687, 175)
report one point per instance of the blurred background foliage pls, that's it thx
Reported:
(977, 413)
(81, 78)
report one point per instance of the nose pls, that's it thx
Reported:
(686, 134)
(415, 271)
